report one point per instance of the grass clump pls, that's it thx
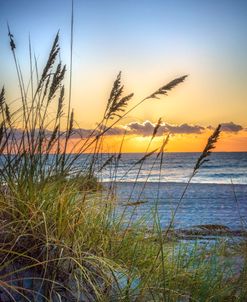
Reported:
(61, 237)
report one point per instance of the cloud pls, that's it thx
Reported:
(116, 131)
(84, 133)
(18, 133)
(185, 129)
(144, 129)
(231, 127)
(147, 128)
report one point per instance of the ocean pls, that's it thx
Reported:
(216, 195)
(222, 168)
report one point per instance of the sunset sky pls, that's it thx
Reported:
(151, 42)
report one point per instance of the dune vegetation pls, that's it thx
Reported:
(62, 235)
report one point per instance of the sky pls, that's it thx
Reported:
(151, 42)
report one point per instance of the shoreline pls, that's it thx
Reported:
(173, 183)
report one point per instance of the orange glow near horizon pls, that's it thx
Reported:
(177, 143)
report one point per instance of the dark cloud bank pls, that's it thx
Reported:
(146, 129)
